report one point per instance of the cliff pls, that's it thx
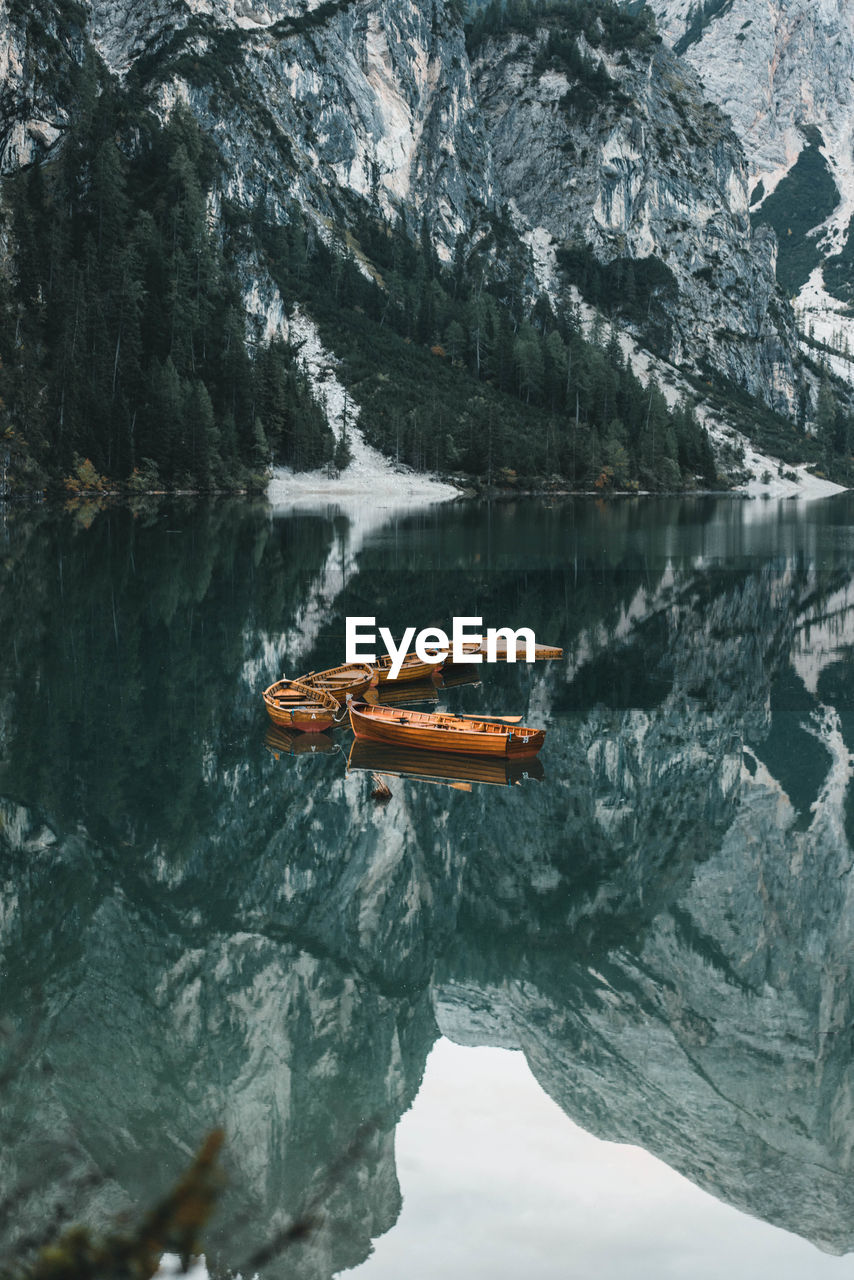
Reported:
(573, 150)
(781, 72)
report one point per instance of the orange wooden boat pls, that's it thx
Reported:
(542, 652)
(297, 706)
(442, 768)
(344, 683)
(412, 668)
(440, 731)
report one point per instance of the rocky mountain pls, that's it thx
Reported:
(663, 924)
(561, 152)
(782, 74)
(632, 164)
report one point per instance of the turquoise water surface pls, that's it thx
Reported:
(618, 988)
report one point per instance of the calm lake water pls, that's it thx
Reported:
(596, 1019)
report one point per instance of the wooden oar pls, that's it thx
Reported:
(506, 719)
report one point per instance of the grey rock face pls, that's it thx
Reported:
(782, 72)
(663, 176)
(774, 68)
(378, 102)
(330, 102)
(292, 1055)
(33, 106)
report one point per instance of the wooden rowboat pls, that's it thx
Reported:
(298, 706)
(412, 668)
(442, 768)
(348, 681)
(542, 652)
(440, 731)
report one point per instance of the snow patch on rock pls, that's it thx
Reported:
(824, 636)
(371, 476)
(357, 519)
(827, 320)
(767, 476)
(543, 252)
(796, 482)
(775, 68)
(265, 306)
(829, 809)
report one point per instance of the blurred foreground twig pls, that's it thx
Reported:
(173, 1226)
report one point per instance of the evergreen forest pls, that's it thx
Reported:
(128, 360)
(123, 334)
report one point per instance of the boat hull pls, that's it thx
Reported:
(343, 683)
(542, 652)
(298, 718)
(457, 734)
(412, 668)
(292, 705)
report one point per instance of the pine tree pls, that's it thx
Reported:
(530, 368)
(343, 454)
(826, 417)
(199, 429)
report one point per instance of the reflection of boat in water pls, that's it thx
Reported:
(449, 769)
(297, 706)
(412, 668)
(391, 693)
(542, 652)
(440, 731)
(349, 681)
(293, 742)
(453, 674)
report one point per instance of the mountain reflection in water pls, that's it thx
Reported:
(201, 928)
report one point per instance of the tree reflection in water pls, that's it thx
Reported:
(201, 928)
